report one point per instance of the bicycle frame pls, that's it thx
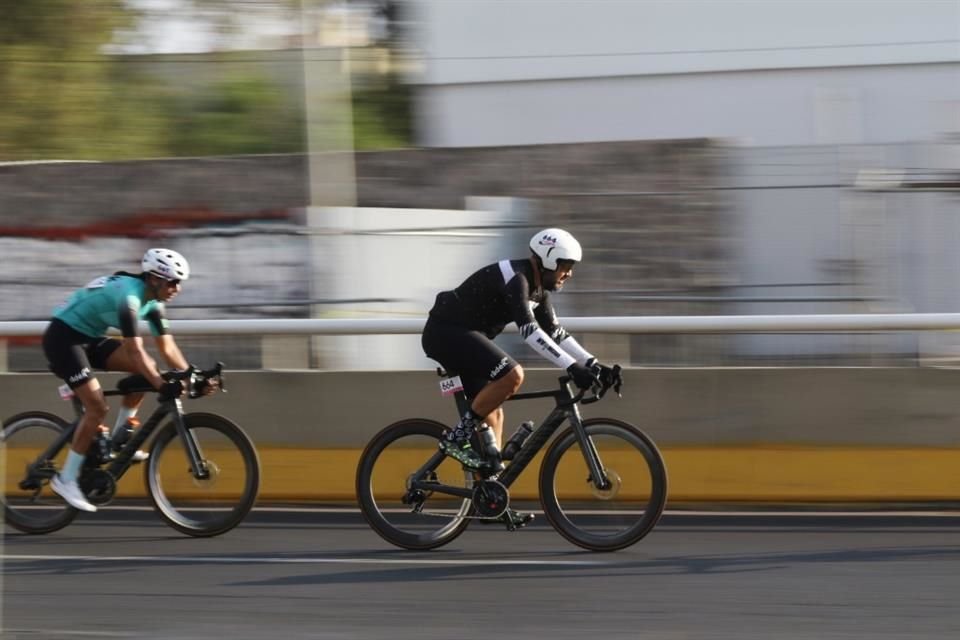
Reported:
(567, 409)
(123, 459)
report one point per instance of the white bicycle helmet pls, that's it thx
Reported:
(165, 263)
(555, 244)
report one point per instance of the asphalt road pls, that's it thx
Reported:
(310, 574)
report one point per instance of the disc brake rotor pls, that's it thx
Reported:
(213, 473)
(610, 492)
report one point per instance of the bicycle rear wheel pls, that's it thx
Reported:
(610, 518)
(209, 506)
(29, 505)
(386, 467)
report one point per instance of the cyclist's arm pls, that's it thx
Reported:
(171, 352)
(518, 297)
(127, 319)
(166, 345)
(546, 317)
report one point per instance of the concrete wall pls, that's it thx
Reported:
(780, 72)
(727, 434)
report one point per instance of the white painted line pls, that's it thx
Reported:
(269, 560)
(668, 512)
(680, 512)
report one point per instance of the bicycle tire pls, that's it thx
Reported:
(39, 510)
(604, 520)
(210, 507)
(382, 474)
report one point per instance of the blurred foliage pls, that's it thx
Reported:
(239, 115)
(64, 98)
(382, 117)
(61, 97)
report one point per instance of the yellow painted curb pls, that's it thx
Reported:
(701, 474)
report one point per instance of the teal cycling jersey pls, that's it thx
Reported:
(117, 301)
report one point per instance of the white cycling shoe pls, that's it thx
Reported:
(70, 491)
(139, 456)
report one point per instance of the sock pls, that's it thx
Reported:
(71, 468)
(123, 415)
(465, 428)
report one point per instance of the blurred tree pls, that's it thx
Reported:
(65, 94)
(62, 96)
(382, 117)
(239, 115)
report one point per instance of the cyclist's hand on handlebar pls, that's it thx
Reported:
(205, 387)
(609, 377)
(205, 382)
(582, 375)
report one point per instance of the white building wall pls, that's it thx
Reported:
(778, 72)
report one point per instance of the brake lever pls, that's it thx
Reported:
(617, 379)
(218, 374)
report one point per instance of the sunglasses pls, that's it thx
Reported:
(172, 283)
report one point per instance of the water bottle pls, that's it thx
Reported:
(123, 433)
(101, 445)
(488, 444)
(513, 445)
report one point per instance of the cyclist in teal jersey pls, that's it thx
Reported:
(75, 342)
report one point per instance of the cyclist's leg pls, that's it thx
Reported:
(108, 354)
(67, 358)
(489, 376)
(488, 402)
(64, 350)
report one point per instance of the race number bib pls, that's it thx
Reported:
(97, 283)
(449, 386)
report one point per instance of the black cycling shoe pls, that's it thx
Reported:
(513, 519)
(464, 453)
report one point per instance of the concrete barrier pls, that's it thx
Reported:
(759, 434)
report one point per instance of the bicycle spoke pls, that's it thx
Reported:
(604, 516)
(34, 508)
(218, 499)
(403, 512)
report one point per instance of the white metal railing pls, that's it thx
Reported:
(621, 324)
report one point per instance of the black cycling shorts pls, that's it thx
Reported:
(72, 354)
(473, 356)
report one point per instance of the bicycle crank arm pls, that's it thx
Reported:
(436, 487)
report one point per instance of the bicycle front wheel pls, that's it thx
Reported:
(602, 517)
(223, 495)
(407, 518)
(29, 505)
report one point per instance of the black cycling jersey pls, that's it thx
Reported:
(501, 293)
(494, 296)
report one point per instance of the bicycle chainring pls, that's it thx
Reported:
(98, 485)
(490, 498)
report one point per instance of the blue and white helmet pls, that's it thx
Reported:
(166, 263)
(555, 244)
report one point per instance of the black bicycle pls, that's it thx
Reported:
(202, 475)
(602, 486)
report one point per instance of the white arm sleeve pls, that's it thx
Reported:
(543, 344)
(573, 347)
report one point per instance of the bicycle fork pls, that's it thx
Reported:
(195, 457)
(598, 475)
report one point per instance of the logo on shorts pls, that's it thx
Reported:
(83, 374)
(500, 367)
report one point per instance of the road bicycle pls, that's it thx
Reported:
(202, 475)
(602, 484)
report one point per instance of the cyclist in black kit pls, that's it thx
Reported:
(463, 322)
